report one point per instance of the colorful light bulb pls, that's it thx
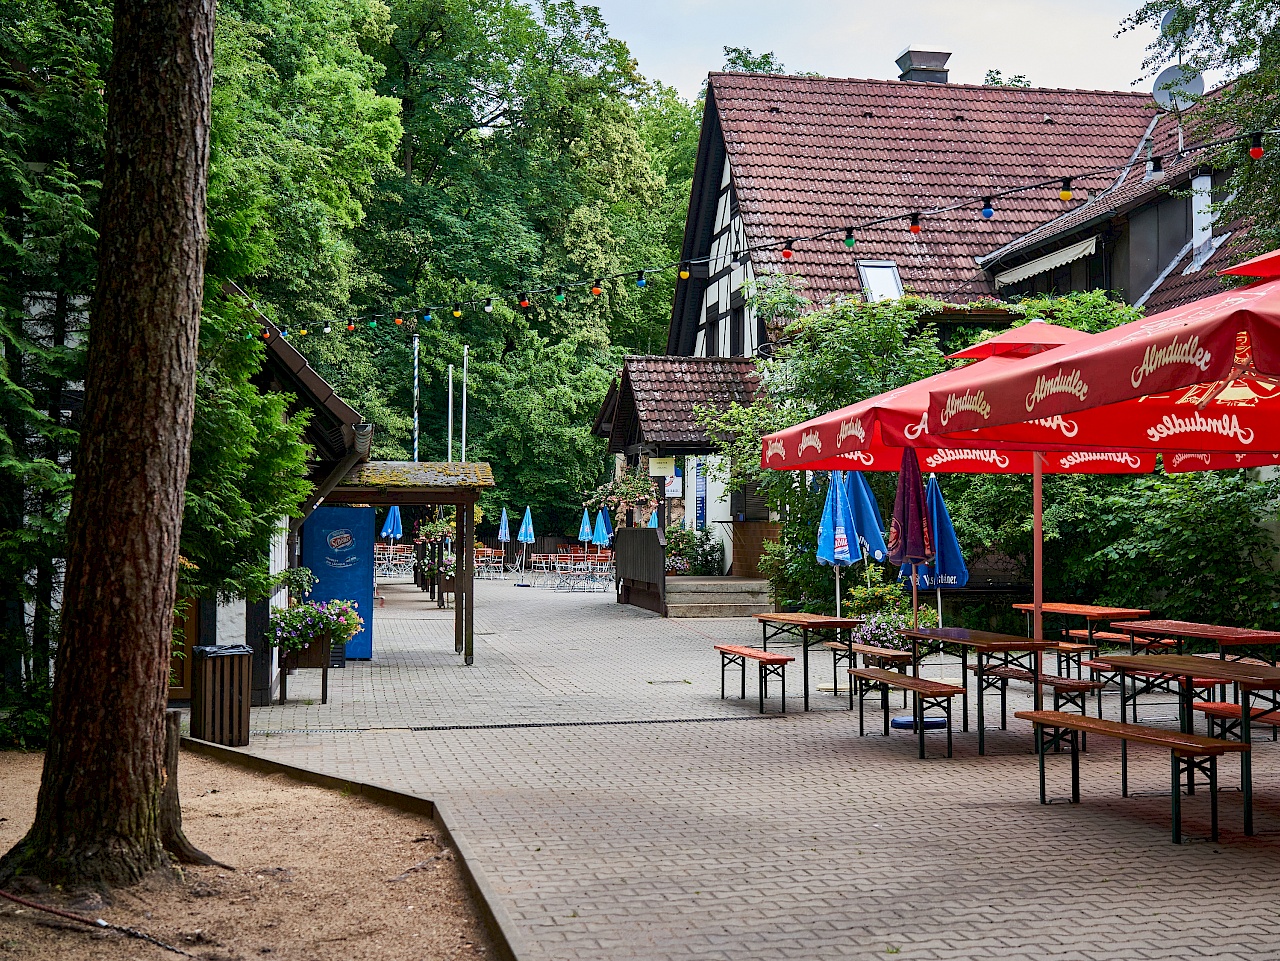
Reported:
(457, 310)
(849, 238)
(915, 224)
(787, 252)
(399, 321)
(684, 271)
(988, 210)
(488, 305)
(524, 300)
(597, 288)
(1065, 193)
(559, 295)
(1256, 149)
(640, 281)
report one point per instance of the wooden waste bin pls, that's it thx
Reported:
(220, 694)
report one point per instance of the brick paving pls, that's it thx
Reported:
(777, 837)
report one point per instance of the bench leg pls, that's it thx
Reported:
(947, 705)
(1075, 767)
(884, 706)
(1213, 797)
(1040, 751)
(1004, 694)
(764, 684)
(917, 708)
(722, 667)
(1124, 769)
(1176, 794)
(743, 660)
(857, 682)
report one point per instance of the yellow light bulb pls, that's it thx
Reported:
(1064, 195)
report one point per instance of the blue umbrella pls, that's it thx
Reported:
(525, 536)
(584, 529)
(504, 531)
(948, 568)
(608, 526)
(653, 519)
(868, 522)
(835, 530)
(393, 528)
(600, 537)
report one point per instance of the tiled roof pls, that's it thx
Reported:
(657, 395)
(815, 153)
(1181, 288)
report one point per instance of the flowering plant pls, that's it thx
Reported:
(297, 628)
(447, 568)
(434, 530)
(881, 628)
(627, 492)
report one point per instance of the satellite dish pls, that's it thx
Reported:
(1177, 87)
(1166, 23)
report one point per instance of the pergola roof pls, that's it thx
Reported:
(412, 482)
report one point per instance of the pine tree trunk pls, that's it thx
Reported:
(98, 812)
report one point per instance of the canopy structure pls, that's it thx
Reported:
(416, 482)
(1203, 379)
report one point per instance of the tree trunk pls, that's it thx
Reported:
(98, 812)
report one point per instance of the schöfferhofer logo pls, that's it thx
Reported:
(341, 540)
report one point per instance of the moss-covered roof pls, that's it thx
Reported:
(417, 474)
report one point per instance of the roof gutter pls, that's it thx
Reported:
(358, 453)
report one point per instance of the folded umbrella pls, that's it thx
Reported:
(504, 531)
(599, 536)
(910, 539)
(835, 531)
(868, 524)
(653, 519)
(392, 527)
(948, 568)
(525, 536)
(584, 529)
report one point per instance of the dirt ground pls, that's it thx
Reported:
(319, 876)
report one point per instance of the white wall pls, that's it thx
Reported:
(724, 247)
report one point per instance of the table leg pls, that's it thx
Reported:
(964, 682)
(1246, 762)
(1187, 722)
(804, 660)
(982, 727)
(915, 657)
(1037, 668)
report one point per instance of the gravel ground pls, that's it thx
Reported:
(319, 875)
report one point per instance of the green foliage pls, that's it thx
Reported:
(1195, 547)
(24, 717)
(1238, 38)
(628, 491)
(697, 553)
(996, 78)
(297, 628)
(742, 60)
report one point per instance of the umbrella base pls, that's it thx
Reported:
(908, 723)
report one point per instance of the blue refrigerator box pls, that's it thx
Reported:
(337, 545)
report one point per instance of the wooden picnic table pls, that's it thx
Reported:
(1250, 679)
(990, 650)
(1092, 613)
(1235, 638)
(799, 624)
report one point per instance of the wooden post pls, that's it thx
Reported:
(459, 577)
(469, 585)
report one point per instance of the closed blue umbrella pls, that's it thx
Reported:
(868, 523)
(653, 519)
(584, 529)
(948, 568)
(835, 530)
(504, 531)
(608, 526)
(600, 536)
(524, 536)
(392, 527)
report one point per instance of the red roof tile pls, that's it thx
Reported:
(815, 153)
(656, 398)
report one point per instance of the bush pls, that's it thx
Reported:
(24, 718)
(885, 607)
(699, 553)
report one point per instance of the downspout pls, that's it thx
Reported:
(358, 452)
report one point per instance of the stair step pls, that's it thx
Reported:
(722, 598)
(716, 610)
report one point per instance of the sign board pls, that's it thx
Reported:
(700, 486)
(675, 484)
(337, 545)
(662, 466)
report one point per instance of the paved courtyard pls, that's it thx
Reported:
(622, 810)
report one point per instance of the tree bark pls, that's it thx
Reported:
(98, 812)
(171, 833)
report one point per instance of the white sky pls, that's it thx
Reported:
(1053, 42)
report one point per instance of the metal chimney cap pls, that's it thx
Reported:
(911, 59)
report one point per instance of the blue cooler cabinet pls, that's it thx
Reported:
(337, 544)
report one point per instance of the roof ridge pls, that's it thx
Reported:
(1136, 94)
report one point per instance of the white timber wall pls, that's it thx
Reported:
(716, 316)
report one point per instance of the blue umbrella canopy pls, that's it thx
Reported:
(836, 526)
(504, 530)
(525, 536)
(584, 529)
(393, 527)
(600, 537)
(948, 568)
(653, 519)
(868, 523)
(608, 526)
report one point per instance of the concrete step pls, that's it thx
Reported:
(716, 585)
(716, 610)
(759, 599)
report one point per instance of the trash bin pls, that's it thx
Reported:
(220, 694)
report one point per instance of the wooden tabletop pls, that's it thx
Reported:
(830, 622)
(984, 640)
(1092, 612)
(1187, 665)
(798, 618)
(1224, 636)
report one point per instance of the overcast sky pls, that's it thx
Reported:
(1052, 42)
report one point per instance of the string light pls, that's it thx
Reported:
(597, 288)
(1157, 164)
(457, 310)
(559, 295)
(426, 318)
(266, 335)
(302, 332)
(1065, 193)
(351, 326)
(988, 210)
(849, 239)
(1255, 145)
(373, 323)
(488, 305)
(284, 332)
(915, 223)
(327, 328)
(787, 252)
(524, 300)
(684, 270)
(399, 321)
(640, 281)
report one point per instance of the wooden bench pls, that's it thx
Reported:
(1223, 717)
(771, 665)
(926, 693)
(1104, 674)
(872, 656)
(1188, 753)
(1066, 690)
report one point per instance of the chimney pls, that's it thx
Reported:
(926, 65)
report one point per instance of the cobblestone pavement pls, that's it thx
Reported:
(697, 829)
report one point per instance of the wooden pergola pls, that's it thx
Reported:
(386, 483)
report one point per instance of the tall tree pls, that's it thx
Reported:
(98, 812)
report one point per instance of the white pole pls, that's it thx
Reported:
(837, 590)
(415, 397)
(466, 349)
(451, 413)
(939, 606)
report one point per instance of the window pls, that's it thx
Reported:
(711, 334)
(737, 332)
(880, 280)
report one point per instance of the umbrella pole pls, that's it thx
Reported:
(939, 590)
(915, 599)
(837, 590)
(1037, 561)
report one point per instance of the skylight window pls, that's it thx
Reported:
(880, 280)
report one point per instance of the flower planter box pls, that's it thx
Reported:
(318, 654)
